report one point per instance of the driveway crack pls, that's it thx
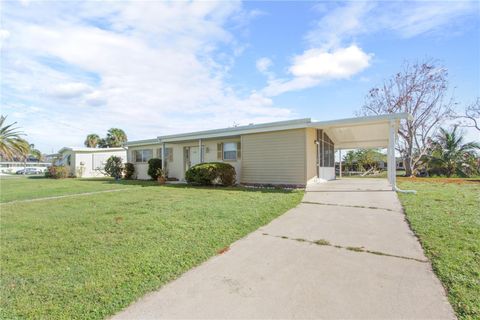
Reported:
(348, 206)
(323, 242)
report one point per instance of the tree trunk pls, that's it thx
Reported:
(407, 163)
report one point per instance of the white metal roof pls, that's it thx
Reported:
(142, 142)
(358, 132)
(237, 131)
(84, 149)
(361, 132)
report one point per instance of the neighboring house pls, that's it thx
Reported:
(87, 162)
(291, 152)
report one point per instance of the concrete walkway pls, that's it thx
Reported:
(346, 252)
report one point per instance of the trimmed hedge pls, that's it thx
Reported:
(128, 170)
(153, 165)
(211, 173)
(56, 172)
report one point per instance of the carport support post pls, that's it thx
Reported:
(391, 165)
(340, 162)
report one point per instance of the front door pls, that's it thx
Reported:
(194, 156)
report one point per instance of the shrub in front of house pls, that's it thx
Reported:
(211, 173)
(153, 165)
(129, 170)
(114, 167)
(56, 172)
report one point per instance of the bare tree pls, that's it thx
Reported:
(471, 117)
(419, 89)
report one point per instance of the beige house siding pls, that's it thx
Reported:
(274, 157)
(311, 153)
(176, 167)
(141, 168)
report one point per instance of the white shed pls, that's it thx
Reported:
(88, 162)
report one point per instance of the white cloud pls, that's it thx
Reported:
(149, 67)
(344, 22)
(332, 53)
(315, 66)
(337, 64)
(263, 64)
(339, 23)
(70, 90)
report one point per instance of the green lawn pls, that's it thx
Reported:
(31, 187)
(446, 218)
(88, 257)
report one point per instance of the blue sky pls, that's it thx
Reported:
(153, 68)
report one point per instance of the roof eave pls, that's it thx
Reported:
(363, 120)
(237, 131)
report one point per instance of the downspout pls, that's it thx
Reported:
(391, 164)
(163, 156)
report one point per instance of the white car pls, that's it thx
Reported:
(30, 171)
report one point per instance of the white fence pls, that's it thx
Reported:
(14, 166)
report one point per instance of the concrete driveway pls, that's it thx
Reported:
(345, 252)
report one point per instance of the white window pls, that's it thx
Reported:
(143, 155)
(230, 151)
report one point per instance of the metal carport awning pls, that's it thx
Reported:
(367, 132)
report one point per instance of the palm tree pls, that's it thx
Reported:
(450, 154)
(92, 140)
(11, 142)
(35, 153)
(116, 137)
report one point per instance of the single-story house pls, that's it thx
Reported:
(87, 162)
(293, 152)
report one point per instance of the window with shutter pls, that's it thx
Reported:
(230, 151)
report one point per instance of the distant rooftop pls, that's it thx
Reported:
(85, 149)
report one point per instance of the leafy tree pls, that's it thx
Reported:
(471, 116)
(115, 137)
(419, 89)
(369, 158)
(450, 155)
(92, 140)
(350, 160)
(11, 142)
(114, 167)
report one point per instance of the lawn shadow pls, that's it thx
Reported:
(37, 177)
(152, 183)
(106, 180)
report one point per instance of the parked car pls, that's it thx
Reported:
(30, 171)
